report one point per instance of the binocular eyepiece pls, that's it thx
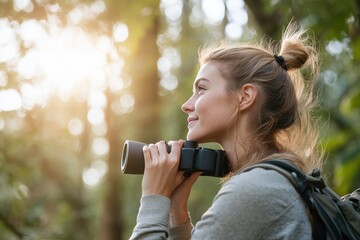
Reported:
(192, 159)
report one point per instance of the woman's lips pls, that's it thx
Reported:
(191, 120)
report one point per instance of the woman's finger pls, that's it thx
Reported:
(163, 155)
(175, 150)
(179, 178)
(147, 156)
(189, 181)
(154, 153)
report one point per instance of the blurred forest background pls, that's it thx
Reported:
(78, 77)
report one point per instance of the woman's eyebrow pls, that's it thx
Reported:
(196, 83)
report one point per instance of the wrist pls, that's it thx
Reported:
(178, 218)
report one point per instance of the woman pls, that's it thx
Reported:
(254, 104)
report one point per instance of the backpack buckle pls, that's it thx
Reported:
(315, 179)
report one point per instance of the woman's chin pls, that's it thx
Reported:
(191, 137)
(194, 138)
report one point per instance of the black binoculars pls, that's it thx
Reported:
(192, 159)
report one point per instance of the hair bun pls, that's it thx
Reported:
(294, 49)
(280, 60)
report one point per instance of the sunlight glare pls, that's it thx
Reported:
(83, 12)
(172, 9)
(233, 31)
(104, 44)
(95, 116)
(121, 32)
(10, 100)
(238, 17)
(214, 10)
(127, 102)
(27, 66)
(91, 177)
(173, 32)
(8, 44)
(113, 71)
(237, 12)
(329, 77)
(65, 62)
(76, 15)
(336, 47)
(75, 126)
(98, 7)
(196, 16)
(70, 59)
(31, 31)
(32, 95)
(173, 55)
(169, 82)
(99, 129)
(101, 166)
(164, 64)
(53, 8)
(100, 146)
(124, 104)
(3, 79)
(23, 5)
(97, 99)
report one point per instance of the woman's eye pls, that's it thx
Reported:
(201, 88)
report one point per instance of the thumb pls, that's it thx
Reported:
(189, 181)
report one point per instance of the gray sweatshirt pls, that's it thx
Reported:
(258, 204)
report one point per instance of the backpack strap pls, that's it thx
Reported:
(300, 181)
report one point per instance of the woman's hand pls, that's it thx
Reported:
(179, 213)
(161, 177)
(161, 174)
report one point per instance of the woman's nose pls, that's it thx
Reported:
(188, 106)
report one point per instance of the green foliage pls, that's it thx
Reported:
(347, 176)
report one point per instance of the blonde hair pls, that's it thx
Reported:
(283, 125)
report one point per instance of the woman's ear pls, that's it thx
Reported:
(247, 95)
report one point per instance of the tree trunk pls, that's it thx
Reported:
(267, 21)
(112, 224)
(145, 84)
(143, 122)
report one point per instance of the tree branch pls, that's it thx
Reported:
(11, 227)
(267, 21)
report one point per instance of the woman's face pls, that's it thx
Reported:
(211, 108)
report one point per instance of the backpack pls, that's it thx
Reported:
(333, 216)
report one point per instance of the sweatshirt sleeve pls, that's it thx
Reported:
(259, 204)
(153, 218)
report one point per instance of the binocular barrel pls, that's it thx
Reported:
(192, 159)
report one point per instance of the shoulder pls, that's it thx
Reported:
(252, 193)
(255, 190)
(255, 204)
(261, 183)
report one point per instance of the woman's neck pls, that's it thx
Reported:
(235, 152)
(243, 153)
